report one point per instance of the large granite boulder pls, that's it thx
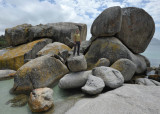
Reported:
(126, 67)
(7, 74)
(41, 99)
(17, 35)
(40, 72)
(112, 49)
(74, 80)
(61, 32)
(111, 77)
(15, 57)
(53, 48)
(77, 63)
(128, 99)
(147, 82)
(94, 85)
(108, 23)
(137, 29)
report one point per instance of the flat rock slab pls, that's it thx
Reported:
(128, 99)
(147, 82)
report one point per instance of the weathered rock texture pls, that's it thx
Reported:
(7, 74)
(112, 49)
(62, 32)
(40, 72)
(111, 77)
(77, 63)
(74, 80)
(15, 57)
(94, 85)
(102, 62)
(126, 67)
(147, 82)
(128, 99)
(53, 48)
(137, 29)
(41, 99)
(108, 23)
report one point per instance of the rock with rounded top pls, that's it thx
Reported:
(126, 67)
(17, 35)
(74, 80)
(94, 85)
(137, 29)
(53, 48)
(41, 99)
(40, 72)
(147, 82)
(15, 57)
(77, 63)
(102, 62)
(113, 49)
(111, 77)
(108, 23)
(7, 74)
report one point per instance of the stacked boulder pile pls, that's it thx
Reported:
(42, 55)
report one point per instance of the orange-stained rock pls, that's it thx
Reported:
(37, 73)
(15, 57)
(41, 99)
(53, 48)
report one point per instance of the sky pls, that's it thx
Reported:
(16, 12)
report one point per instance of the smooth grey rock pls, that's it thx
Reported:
(102, 62)
(111, 77)
(126, 67)
(113, 49)
(128, 99)
(108, 23)
(74, 80)
(61, 32)
(41, 99)
(137, 29)
(7, 74)
(77, 63)
(94, 85)
(40, 72)
(147, 82)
